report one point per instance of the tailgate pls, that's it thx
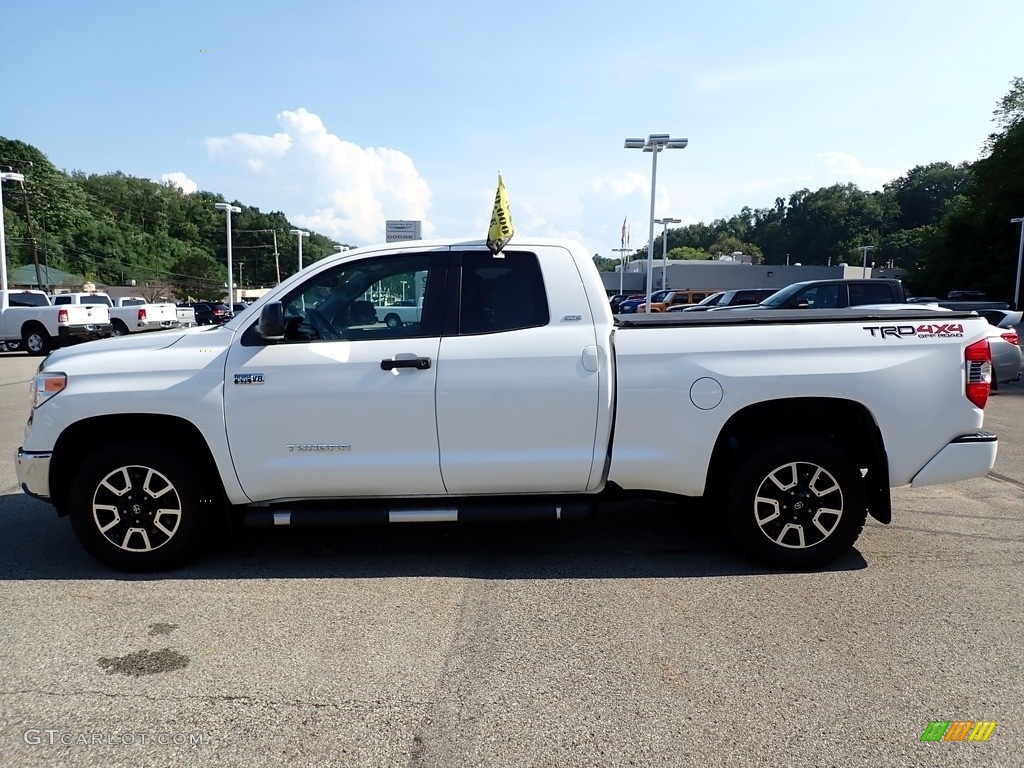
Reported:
(85, 314)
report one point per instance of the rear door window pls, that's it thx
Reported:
(870, 293)
(501, 294)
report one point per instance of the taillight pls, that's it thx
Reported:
(62, 316)
(1011, 336)
(142, 314)
(978, 360)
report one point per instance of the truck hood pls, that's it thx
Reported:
(211, 336)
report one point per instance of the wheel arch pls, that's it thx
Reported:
(845, 422)
(80, 439)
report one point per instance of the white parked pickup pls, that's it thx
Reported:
(517, 394)
(128, 314)
(30, 322)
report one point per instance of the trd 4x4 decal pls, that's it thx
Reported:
(926, 331)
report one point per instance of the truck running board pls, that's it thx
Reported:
(326, 515)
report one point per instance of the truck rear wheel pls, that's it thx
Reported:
(392, 320)
(140, 507)
(118, 328)
(797, 503)
(36, 340)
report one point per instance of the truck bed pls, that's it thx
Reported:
(783, 317)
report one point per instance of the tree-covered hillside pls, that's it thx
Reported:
(112, 229)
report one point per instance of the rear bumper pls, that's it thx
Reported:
(34, 473)
(156, 325)
(71, 333)
(966, 457)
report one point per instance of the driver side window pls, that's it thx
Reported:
(381, 298)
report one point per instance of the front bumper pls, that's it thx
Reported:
(966, 457)
(34, 473)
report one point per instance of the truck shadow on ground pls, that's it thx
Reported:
(635, 540)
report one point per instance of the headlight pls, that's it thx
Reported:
(46, 385)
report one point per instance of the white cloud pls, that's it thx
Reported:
(845, 168)
(181, 181)
(325, 183)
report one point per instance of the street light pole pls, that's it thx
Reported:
(864, 263)
(664, 248)
(3, 237)
(622, 263)
(654, 143)
(1020, 261)
(300, 234)
(228, 209)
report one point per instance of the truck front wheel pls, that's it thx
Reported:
(36, 340)
(139, 507)
(797, 503)
(392, 320)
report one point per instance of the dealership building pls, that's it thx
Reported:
(725, 275)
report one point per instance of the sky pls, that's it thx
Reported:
(346, 114)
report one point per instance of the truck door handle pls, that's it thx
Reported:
(419, 363)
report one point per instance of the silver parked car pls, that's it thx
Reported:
(1003, 340)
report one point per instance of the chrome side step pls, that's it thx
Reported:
(331, 514)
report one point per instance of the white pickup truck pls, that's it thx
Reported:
(128, 314)
(517, 394)
(30, 322)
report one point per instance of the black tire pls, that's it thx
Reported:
(139, 507)
(36, 340)
(119, 329)
(393, 321)
(797, 503)
(12, 346)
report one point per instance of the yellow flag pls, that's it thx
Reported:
(501, 229)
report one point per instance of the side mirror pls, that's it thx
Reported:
(271, 324)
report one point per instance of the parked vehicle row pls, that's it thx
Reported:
(876, 293)
(128, 314)
(727, 299)
(661, 301)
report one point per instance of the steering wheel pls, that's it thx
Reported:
(322, 325)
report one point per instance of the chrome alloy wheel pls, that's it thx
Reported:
(798, 505)
(136, 508)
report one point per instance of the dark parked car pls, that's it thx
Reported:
(830, 294)
(212, 314)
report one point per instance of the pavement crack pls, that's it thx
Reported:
(211, 699)
(1004, 479)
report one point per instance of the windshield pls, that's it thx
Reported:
(713, 300)
(780, 297)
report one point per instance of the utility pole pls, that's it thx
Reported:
(277, 260)
(32, 237)
(28, 221)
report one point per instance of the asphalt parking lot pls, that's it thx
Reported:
(633, 638)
